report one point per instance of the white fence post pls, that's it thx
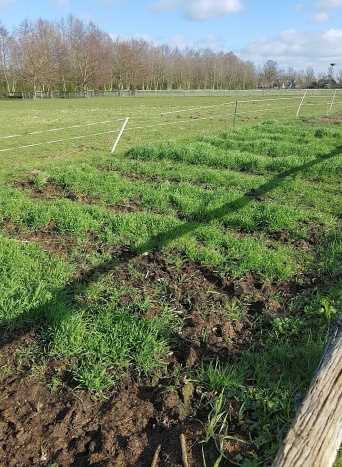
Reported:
(119, 135)
(301, 103)
(332, 102)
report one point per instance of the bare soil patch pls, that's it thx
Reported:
(48, 239)
(335, 119)
(51, 191)
(42, 426)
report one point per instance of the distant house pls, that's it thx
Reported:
(290, 84)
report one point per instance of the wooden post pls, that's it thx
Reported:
(235, 113)
(316, 435)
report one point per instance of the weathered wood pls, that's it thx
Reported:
(184, 451)
(316, 435)
(155, 460)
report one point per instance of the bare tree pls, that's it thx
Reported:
(270, 74)
(339, 78)
(6, 50)
(72, 55)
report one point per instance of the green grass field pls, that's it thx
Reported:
(197, 269)
(150, 121)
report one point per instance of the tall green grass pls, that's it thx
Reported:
(29, 279)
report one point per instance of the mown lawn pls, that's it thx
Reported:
(204, 272)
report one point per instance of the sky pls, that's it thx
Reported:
(298, 33)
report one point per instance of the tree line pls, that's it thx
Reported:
(72, 55)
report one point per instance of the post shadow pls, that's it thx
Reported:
(35, 318)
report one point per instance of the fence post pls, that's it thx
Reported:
(316, 434)
(301, 103)
(119, 135)
(235, 113)
(332, 102)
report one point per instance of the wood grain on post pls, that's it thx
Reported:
(316, 435)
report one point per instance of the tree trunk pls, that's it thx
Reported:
(316, 435)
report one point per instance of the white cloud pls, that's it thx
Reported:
(211, 41)
(299, 6)
(5, 3)
(332, 36)
(327, 4)
(325, 8)
(200, 10)
(180, 41)
(321, 17)
(62, 3)
(298, 49)
(137, 36)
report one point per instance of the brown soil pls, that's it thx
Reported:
(137, 177)
(48, 239)
(68, 427)
(128, 206)
(51, 190)
(335, 119)
(315, 233)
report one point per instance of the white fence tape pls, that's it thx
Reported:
(332, 101)
(39, 132)
(229, 103)
(197, 108)
(14, 148)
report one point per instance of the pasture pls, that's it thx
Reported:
(86, 124)
(184, 284)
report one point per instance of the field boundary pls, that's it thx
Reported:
(158, 92)
(304, 101)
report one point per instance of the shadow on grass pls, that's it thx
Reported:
(13, 328)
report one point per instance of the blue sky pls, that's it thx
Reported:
(300, 33)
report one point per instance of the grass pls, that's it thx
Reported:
(107, 339)
(29, 278)
(81, 232)
(267, 385)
